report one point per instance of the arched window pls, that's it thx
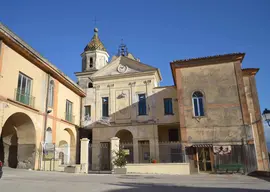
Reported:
(90, 85)
(51, 93)
(91, 62)
(198, 108)
(48, 136)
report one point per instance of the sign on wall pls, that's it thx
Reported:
(49, 151)
(222, 150)
(126, 151)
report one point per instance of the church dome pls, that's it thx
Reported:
(95, 43)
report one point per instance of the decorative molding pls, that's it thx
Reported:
(147, 82)
(110, 85)
(132, 84)
(122, 95)
(122, 68)
(104, 121)
(124, 111)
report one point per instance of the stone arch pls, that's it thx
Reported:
(70, 150)
(125, 136)
(72, 137)
(126, 142)
(63, 152)
(18, 142)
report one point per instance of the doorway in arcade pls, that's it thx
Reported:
(18, 142)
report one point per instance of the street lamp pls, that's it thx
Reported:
(266, 116)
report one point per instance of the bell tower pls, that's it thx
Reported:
(95, 55)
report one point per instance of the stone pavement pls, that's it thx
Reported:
(32, 181)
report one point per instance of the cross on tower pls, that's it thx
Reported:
(95, 21)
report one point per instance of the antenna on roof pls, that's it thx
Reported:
(122, 50)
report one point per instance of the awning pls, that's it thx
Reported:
(202, 145)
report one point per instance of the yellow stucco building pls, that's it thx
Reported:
(39, 104)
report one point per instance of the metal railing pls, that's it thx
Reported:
(26, 99)
(69, 117)
(168, 152)
(171, 152)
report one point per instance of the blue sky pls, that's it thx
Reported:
(156, 31)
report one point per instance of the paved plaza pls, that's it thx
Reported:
(30, 181)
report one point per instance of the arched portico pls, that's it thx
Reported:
(72, 145)
(126, 142)
(66, 150)
(125, 136)
(18, 142)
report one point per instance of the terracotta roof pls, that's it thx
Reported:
(250, 71)
(230, 56)
(16, 43)
(95, 43)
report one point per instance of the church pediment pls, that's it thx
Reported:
(123, 65)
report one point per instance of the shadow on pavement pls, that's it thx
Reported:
(168, 188)
(262, 178)
(264, 175)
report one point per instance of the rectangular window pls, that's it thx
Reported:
(69, 108)
(24, 89)
(142, 104)
(87, 112)
(173, 135)
(198, 107)
(168, 108)
(105, 106)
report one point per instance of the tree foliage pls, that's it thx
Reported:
(120, 158)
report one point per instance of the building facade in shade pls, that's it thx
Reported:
(40, 106)
(218, 106)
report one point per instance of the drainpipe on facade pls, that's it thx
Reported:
(45, 122)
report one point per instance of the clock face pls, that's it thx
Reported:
(122, 68)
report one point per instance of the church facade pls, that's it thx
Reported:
(124, 100)
(210, 115)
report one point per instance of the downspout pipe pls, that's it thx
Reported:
(45, 121)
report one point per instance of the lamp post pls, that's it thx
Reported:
(266, 116)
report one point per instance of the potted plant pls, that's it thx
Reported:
(120, 162)
(154, 161)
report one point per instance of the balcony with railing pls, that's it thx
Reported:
(69, 117)
(24, 98)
